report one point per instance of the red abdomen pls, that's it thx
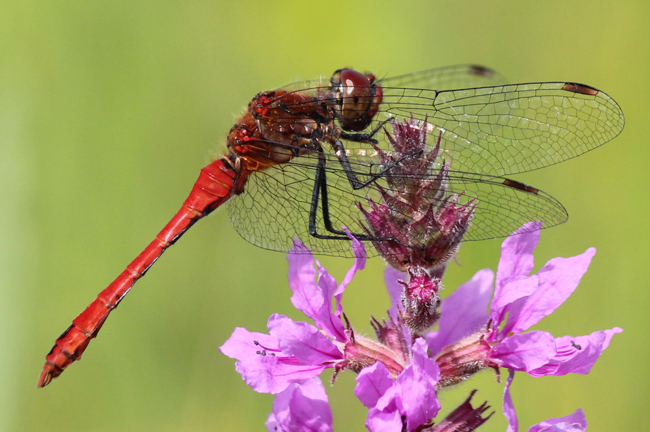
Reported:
(213, 187)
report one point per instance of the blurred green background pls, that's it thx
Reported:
(109, 109)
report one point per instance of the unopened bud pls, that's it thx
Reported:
(420, 300)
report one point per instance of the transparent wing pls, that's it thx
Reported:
(275, 205)
(510, 129)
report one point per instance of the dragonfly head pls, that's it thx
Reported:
(356, 98)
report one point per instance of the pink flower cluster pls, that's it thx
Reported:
(400, 372)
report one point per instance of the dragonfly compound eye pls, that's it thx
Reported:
(357, 98)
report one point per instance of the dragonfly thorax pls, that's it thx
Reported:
(253, 150)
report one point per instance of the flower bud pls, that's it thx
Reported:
(420, 300)
(420, 222)
(459, 361)
(464, 418)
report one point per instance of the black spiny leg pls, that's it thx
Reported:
(320, 188)
(365, 137)
(352, 178)
(320, 191)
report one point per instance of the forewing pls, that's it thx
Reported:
(500, 130)
(510, 129)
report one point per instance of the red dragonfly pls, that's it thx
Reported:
(301, 156)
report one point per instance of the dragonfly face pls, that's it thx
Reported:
(357, 98)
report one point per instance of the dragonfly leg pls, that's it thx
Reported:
(352, 178)
(320, 192)
(365, 137)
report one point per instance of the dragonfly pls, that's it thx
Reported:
(301, 157)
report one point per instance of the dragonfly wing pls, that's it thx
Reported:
(504, 205)
(275, 207)
(442, 78)
(511, 129)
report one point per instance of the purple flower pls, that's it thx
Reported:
(398, 380)
(575, 422)
(525, 299)
(395, 381)
(267, 367)
(301, 408)
(412, 395)
(294, 352)
(463, 345)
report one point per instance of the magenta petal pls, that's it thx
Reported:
(302, 280)
(524, 352)
(359, 251)
(243, 343)
(509, 299)
(372, 383)
(330, 322)
(517, 253)
(575, 422)
(302, 341)
(395, 289)
(314, 300)
(386, 414)
(508, 406)
(382, 421)
(301, 408)
(576, 354)
(417, 388)
(271, 423)
(389, 401)
(272, 374)
(261, 364)
(302, 275)
(463, 312)
(557, 281)
(412, 395)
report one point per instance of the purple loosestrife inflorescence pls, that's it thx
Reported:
(416, 209)
(426, 222)
(398, 375)
(294, 352)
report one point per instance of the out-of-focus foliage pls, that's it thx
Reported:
(109, 109)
